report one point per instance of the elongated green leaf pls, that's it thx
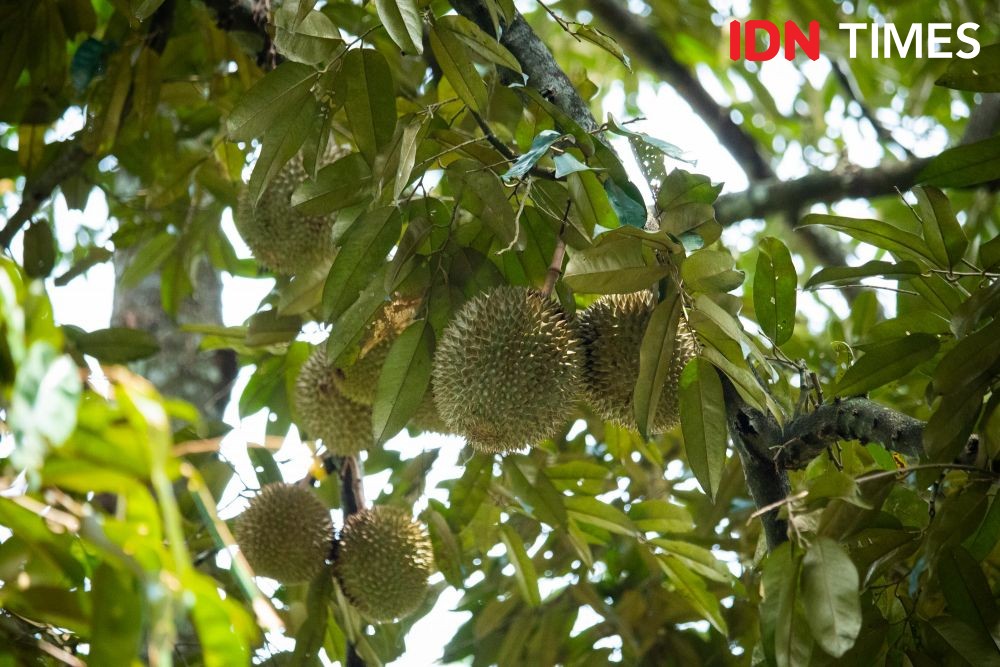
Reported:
(350, 327)
(659, 344)
(980, 74)
(539, 497)
(879, 234)
(280, 91)
(885, 362)
(365, 248)
(659, 516)
(774, 290)
(710, 271)
(39, 249)
(944, 236)
(410, 141)
(117, 622)
(963, 166)
(341, 184)
(369, 100)
(599, 513)
(703, 423)
(116, 345)
(524, 569)
(627, 202)
(605, 41)
(479, 42)
(830, 596)
(969, 362)
(403, 380)
(454, 60)
(401, 19)
(968, 593)
(616, 264)
(965, 641)
(845, 275)
(782, 611)
(281, 143)
(591, 207)
(692, 588)
(539, 147)
(312, 40)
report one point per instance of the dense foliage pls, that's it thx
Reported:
(829, 496)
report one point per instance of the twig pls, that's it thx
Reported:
(558, 254)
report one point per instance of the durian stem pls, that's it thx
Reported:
(352, 493)
(555, 268)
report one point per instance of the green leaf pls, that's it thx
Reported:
(280, 144)
(664, 147)
(616, 264)
(591, 207)
(885, 362)
(312, 40)
(39, 249)
(965, 641)
(369, 100)
(944, 236)
(309, 638)
(692, 588)
(605, 41)
(117, 622)
(848, 275)
(116, 345)
(579, 477)
(710, 271)
(968, 593)
(364, 249)
(980, 74)
(588, 509)
(539, 497)
(338, 185)
(539, 147)
(44, 403)
(403, 380)
(655, 357)
(703, 423)
(627, 203)
(963, 166)
(268, 327)
(479, 42)
(401, 19)
(350, 327)
(660, 516)
(774, 290)
(782, 612)
(969, 363)
(879, 234)
(280, 91)
(681, 187)
(566, 164)
(524, 569)
(452, 56)
(830, 595)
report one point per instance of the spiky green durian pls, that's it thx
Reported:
(383, 561)
(359, 381)
(507, 370)
(344, 426)
(285, 533)
(427, 419)
(281, 238)
(611, 330)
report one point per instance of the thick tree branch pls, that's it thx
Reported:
(806, 437)
(642, 41)
(544, 73)
(752, 434)
(771, 196)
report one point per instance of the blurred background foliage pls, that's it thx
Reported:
(597, 546)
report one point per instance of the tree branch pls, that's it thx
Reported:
(771, 196)
(752, 434)
(544, 73)
(638, 38)
(806, 437)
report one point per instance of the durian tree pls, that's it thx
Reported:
(614, 409)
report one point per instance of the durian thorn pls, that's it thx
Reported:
(558, 254)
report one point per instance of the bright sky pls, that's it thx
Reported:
(86, 301)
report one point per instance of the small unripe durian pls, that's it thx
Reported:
(507, 370)
(383, 561)
(344, 426)
(285, 533)
(611, 330)
(281, 238)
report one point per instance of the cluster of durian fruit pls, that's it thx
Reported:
(381, 560)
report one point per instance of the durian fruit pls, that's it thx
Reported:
(282, 239)
(427, 419)
(359, 381)
(285, 533)
(611, 330)
(344, 426)
(383, 561)
(507, 370)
